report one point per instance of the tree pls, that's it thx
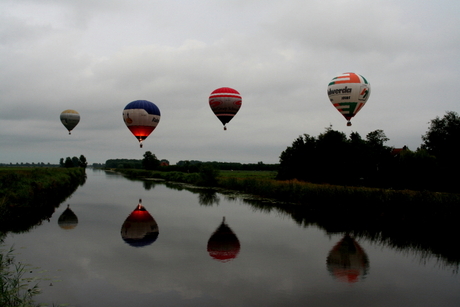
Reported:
(150, 161)
(297, 160)
(333, 155)
(442, 137)
(124, 163)
(208, 175)
(322, 159)
(377, 138)
(378, 158)
(75, 161)
(415, 170)
(82, 161)
(336, 159)
(441, 141)
(68, 162)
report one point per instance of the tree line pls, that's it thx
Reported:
(28, 164)
(151, 162)
(194, 166)
(334, 158)
(73, 162)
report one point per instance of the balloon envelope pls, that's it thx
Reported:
(141, 117)
(70, 118)
(348, 93)
(225, 103)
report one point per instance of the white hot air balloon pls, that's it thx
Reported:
(70, 118)
(348, 93)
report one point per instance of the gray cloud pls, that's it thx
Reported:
(95, 58)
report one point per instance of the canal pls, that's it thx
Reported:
(184, 248)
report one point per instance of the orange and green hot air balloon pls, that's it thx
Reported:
(348, 93)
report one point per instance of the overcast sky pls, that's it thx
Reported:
(96, 56)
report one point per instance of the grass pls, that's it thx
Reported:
(260, 175)
(19, 184)
(29, 195)
(15, 289)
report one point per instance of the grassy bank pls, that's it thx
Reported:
(29, 195)
(319, 196)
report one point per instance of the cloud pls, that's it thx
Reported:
(94, 58)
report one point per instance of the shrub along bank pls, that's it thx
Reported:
(341, 200)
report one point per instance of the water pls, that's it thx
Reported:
(265, 259)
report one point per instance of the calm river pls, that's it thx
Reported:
(177, 252)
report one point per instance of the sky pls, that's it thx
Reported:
(96, 56)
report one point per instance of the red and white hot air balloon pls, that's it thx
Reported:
(141, 117)
(225, 103)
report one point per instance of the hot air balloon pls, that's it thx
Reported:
(140, 228)
(347, 261)
(141, 117)
(349, 93)
(70, 118)
(225, 103)
(223, 245)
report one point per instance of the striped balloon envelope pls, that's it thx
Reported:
(70, 118)
(141, 117)
(225, 103)
(348, 93)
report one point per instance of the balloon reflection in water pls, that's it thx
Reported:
(223, 245)
(347, 261)
(140, 228)
(68, 219)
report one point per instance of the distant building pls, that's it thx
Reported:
(164, 162)
(397, 151)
